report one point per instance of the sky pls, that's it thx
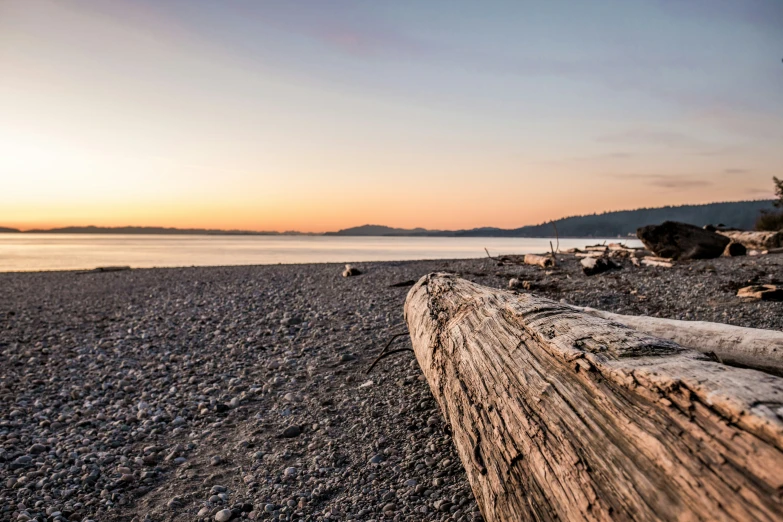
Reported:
(317, 115)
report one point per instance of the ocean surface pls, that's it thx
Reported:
(33, 252)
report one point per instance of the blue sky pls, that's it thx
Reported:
(318, 115)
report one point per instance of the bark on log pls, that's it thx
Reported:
(749, 347)
(559, 415)
(542, 261)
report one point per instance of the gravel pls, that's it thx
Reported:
(233, 393)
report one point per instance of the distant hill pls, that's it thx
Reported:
(380, 230)
(5, 230)
(737, 214)
(153, 230)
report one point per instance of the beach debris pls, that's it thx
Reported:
(661, 262)
(111, 269)
(539, 260)
(597, 265)
(351, 271)
(754, 239)
(735, 249)
(761, 293)
(516, 284)
(681, 241)
(611, 250)
(520, 284)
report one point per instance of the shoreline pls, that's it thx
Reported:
(89, 252)
(171, 387)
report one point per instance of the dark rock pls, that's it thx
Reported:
(291, 432)
(682, 241)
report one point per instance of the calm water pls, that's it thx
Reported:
(22, 252)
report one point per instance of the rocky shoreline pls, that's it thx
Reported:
(231, 393)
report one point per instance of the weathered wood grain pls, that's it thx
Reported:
(559, 415)
(750, 347)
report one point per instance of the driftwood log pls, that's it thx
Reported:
(538, 260)
(559, 415)
(749, 347)
(753, 239)
(682, 241)
(664, 262)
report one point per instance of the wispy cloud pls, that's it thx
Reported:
(656, 138)
(736, 171)
(665, 181)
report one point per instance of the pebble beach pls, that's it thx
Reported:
(243, 393)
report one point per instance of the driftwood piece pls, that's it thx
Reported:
(752, 239)
(682, 241)
(351, 271)
(735, 249)
(559, 415)
(761, 293)
(749, 347)
(657, 261)
(597, 265)
(538, 260)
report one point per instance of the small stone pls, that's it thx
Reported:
(377, 459)
(290, 472)
(292, 431)
(347, 357)
(390, 507)
(224, 515)
(216, 460)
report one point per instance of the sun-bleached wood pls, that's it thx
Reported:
(750, 347)
(542, 261)
(661, 262)
(560, 415)
(756, 239)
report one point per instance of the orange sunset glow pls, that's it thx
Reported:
(265, 116)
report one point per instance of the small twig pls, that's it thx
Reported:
(487, 251)
(381, 355)
(554, 259)
(384, 355)
(557, 236)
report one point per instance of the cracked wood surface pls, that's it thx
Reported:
(559, 415)
(749, 347)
